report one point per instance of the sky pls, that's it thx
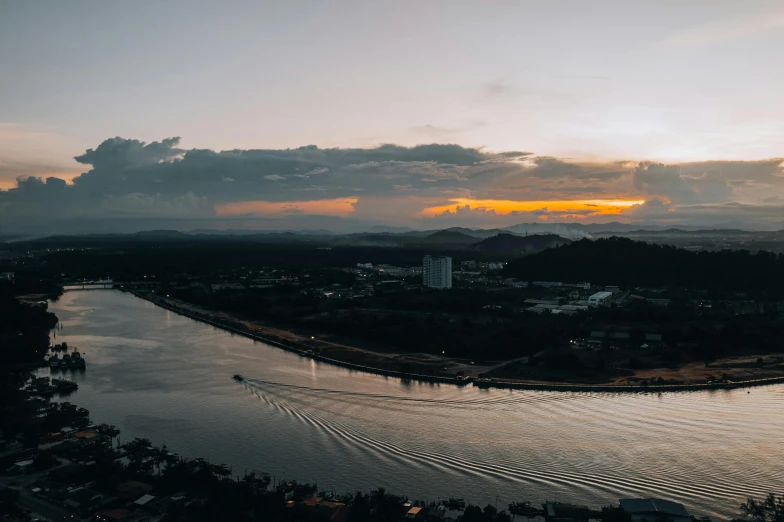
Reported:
(125, 116)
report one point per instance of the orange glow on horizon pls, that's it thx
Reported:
(320, 207)
(506, 206)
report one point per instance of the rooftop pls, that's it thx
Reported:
(653, 505)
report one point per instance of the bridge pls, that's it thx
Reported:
(103, 285)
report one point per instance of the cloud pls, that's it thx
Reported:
(690, 183)
(153, 206)
(440, 133)
(160, 183)
(727, 29)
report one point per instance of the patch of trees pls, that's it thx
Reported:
(24, 330)
(631, 264)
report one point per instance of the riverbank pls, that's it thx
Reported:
(290, 343)
(293, 343)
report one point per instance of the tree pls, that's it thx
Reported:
(614, 514)
(769, 509)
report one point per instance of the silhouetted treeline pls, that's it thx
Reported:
(505, 244)
(24, 330)
(410, 321)
(630, 263)
(167, 261)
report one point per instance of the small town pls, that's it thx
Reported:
(82, 471)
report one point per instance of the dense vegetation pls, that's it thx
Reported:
(24, 329)
(630, 263)
(408, 321)
(511, 244)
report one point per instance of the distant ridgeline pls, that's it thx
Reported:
(513, 244)
(631, 263)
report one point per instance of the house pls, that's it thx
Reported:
(600, 299)
(85, 500)
(23, 466)
(548, 284)
(132, 489)
(413, 512)
(553, 301)
(560, 512)
(144, 499)
(654, 510)
(317, 509)
(120, 515)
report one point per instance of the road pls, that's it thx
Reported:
(41, 509)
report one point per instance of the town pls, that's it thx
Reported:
(561, 315)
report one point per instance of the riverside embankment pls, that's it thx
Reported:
(302, 350)
(306, 351)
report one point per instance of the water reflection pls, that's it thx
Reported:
(162, 376)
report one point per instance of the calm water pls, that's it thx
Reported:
(162, 376)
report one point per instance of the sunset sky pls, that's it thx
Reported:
(123, 116)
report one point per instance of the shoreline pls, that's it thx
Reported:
(302, 351)
(482, 383)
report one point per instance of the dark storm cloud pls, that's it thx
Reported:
(129, 166)
(133, 180)
(549, 168)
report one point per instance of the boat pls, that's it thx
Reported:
(64, 385)
(54, 362)
(66, 360)
(238, 377)
(77, 361)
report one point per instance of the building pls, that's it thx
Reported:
(392, 271)
(548, 284)
(413, 512)
(654, 510)
(515, 283)
(560, 512)
(317, 509)
(600, 299)
(437, 271)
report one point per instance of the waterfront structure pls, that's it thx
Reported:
(654, 510)
(548, 284)
(600, 299)
(437, 271)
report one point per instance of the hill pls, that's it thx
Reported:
(449, 237)
(160, 234)
(631, 263)
(510, 244)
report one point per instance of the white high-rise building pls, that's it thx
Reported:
(437, 271)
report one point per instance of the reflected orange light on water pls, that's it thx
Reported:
(506, 206)
(321, 207)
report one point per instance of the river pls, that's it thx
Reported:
(162, 376)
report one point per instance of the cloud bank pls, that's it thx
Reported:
(131, 185)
